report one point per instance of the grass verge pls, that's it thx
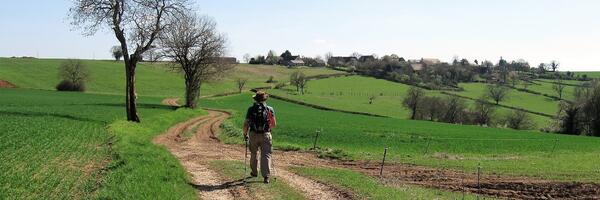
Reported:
(142, 170)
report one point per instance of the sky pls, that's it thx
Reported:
(535, 30)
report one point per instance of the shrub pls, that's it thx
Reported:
(519, 120)
(67, 85)
(74, 75)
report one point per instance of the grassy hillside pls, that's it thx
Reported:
(461, 147)
(515, 98)
(56, 145)
(352, 94)
(107, 77)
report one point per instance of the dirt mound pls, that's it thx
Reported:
(6, 84)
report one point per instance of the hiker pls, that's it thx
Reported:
(260, 120)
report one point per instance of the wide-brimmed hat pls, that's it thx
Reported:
(260, 96)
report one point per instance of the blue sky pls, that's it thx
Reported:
(534, 30)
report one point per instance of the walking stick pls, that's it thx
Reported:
(246, 158)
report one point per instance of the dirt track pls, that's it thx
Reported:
(203, 147)
(196, 152)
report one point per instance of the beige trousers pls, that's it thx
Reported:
(264, 142)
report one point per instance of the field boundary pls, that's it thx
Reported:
(501, 105)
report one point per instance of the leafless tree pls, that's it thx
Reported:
(497, 93)
(116, 52)
(247, 58)
(559, 87)
(553, 65)
(413, 100)
(372, 98)
(356, 55)
(327, 56)
(483, 112)
(197, 48)
(136, 25)
(74, 74)
(514, 78)
(241, 82)
(302, 82)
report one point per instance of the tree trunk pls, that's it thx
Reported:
(131, 96)
(191, 94)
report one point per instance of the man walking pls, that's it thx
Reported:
(260, 120)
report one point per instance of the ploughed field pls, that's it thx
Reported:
(440, 145)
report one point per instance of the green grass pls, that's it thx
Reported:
(55, 144)
(142, 170)
(547, 88)
(365, 187)
(233, 171)
(107, 77)
(515, 98)
(594, 74)
(352, 94)
(460, 147)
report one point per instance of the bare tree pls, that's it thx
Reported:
(272, 57)
(514, 78)
(372, 98)
(497, 93)
(559, 87)
(483, 112)
(193, 42)
(294, 79)
(116, 52)
(302, 82)
(356, 55)
(241, 82)
(413, 100)
(247, 58)
(74, 74)
(553, 65)
(327, 56)
(136, 25)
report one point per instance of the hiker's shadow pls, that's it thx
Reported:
(223, 186)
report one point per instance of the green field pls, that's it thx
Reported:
(107, 77)
(461, 147)
(55, 145)
(352, 94)
(594, 74)
(547, 88)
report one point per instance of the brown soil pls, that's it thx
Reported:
(196, 152)
(490, 185)
(171, 102)
(6, 84)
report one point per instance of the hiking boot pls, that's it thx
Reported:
(266, 180)
(254, 175)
